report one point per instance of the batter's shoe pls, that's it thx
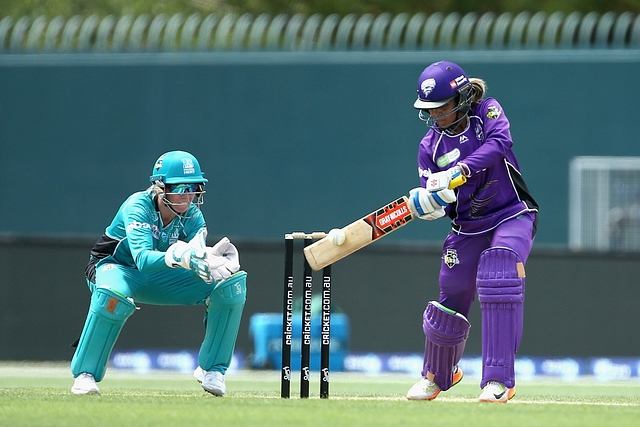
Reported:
(85, 384)
(425, 389)
(496, 392)
(213, 383)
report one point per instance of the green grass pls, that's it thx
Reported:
(38, 395)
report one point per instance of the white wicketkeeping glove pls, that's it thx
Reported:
(191, 256)
(223, 259)
(428, 205)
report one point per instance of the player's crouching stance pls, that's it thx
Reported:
(493, 218)
(155, 252)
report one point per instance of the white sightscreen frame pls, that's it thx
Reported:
(582, 214)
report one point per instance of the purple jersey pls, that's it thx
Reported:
(495, 190)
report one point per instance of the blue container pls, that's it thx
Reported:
(265, 330)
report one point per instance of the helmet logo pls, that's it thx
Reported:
(158, 164)
(427, 87)
(187, 166)
(458, 81)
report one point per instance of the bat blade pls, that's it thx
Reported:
(366, 230)
(360, 233)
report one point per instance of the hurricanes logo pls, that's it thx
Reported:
(451, 258)
(427, 86)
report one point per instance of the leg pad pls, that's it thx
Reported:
(222, 323)
(500, 284)
(108, 312)
(446, 334)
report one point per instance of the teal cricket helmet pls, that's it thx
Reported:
(177, 167)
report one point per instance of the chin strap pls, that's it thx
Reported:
(168, 204)
(452, 127)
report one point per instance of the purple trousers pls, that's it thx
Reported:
(459, 273)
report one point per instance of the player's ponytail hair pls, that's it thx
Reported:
(154, 190)
(479, 88)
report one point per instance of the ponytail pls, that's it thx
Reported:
(479, 88)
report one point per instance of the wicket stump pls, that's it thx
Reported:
(287, 320)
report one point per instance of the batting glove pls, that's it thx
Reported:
(441, 180)
(429, 206)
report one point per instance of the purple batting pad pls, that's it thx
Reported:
(500, 284)
(446, 334)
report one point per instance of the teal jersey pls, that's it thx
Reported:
(136, 236)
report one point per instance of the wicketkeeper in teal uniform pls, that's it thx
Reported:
(155, 252)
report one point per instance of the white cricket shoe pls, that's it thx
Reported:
(213, 382)
(199, 374)
(85, 384)
(425, 389)
(496, 392)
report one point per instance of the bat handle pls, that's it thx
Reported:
(457, 181)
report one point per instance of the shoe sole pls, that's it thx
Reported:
(216, 393)
(85, 392)
(510, 395)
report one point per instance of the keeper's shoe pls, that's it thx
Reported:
(496, 392)
(199, 374)
(213, 382)
(425, 389)
(85, 384)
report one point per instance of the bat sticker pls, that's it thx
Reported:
(388, 218)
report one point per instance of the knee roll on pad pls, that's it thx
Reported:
(223, 316)
(446, 334)
(500, 276)
(501, 289)
(108, 312)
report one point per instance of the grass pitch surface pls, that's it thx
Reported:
(36, 394)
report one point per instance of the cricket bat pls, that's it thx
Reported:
(368, 229)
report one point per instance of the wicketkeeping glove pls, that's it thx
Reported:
(191, 256)
(223, 259)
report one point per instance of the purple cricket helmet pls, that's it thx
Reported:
(441, 82)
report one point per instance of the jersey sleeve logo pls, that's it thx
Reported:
(493, 112)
